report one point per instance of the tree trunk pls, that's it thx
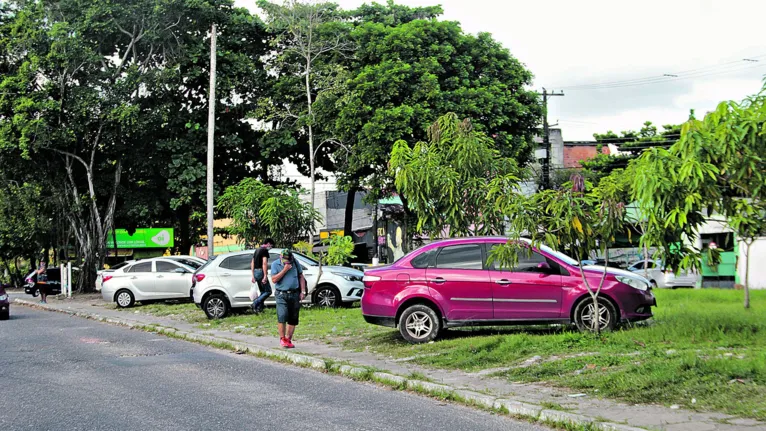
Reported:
(311, 144)
(348, 220)
(646, 261)
(747, 274)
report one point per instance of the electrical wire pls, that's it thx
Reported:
(719, 69)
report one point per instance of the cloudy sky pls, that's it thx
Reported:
(569, 43)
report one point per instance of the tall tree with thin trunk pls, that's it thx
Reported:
(308, 36)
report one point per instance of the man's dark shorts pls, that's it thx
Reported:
(288, 306)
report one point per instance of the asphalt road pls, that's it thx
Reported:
(59, 372)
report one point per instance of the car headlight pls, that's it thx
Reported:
(347, 277)
(3, 297)
(633, 282)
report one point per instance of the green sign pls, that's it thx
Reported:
(142, 238)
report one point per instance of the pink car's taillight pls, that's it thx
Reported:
(369, 280)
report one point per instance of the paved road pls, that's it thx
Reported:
(59, 372)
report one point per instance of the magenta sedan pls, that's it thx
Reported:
(449, 284)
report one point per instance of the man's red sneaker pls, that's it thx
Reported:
(284, 342)
(290, 344)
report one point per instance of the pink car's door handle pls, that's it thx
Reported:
(438, 280)
(503, 282)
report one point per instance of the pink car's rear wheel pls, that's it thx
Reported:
(419, 324)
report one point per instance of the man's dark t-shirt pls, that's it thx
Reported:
(258, 256)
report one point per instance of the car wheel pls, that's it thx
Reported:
(216, 306)
(5, 315)
(419, 324)
(654, 284)
(585, 314)
(124, 298)
(36, 293)
(327, 296)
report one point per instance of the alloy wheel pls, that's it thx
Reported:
(419, 325)
(589, 315)
(216, 307)
(326, 298)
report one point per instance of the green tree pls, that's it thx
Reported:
(717, 167)
(259, 211)
(25, 227)
(79, 100)
(409, 69)
(307, 35)
(447, 179)
(168, 188)
(579, 219)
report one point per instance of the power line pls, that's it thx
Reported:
(724, 68)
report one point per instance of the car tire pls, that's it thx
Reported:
(327, 296)
(124, 298)
(216, 306)
(36, 293)
(584, 312)
(419, 324)
(6, 315)
(654, 284)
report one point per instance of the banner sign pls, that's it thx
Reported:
(142, 238)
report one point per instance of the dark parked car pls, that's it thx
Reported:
(451, 283)
(54, 282)
(5, 304)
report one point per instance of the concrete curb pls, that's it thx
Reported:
(527, 411)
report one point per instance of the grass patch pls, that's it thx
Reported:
(702, 350)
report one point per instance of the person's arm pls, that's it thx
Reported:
(265, 265)
(252, 269)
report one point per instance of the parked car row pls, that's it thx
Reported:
(221, 284)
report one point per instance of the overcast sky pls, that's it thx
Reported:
(568, 43)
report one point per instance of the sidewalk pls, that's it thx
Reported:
(521, 399)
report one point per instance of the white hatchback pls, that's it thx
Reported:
(223, 283)
(659, 277)
(147, 281)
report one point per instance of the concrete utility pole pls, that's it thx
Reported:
(547, 139)
(210, 146)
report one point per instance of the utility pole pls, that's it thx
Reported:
(546, 183)
(210, 145)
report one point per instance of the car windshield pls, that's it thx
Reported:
(188, 262)
(559, 255)
(306, 260)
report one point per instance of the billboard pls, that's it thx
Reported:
(142, 238)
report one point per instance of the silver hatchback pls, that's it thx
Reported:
(147, 281)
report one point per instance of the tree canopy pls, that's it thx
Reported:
(447, 179)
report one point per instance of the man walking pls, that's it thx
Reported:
(259, 266)
(290, 286)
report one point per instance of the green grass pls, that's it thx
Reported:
(702, 350)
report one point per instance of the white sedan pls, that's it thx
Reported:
(662, 278)
(147, 281)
